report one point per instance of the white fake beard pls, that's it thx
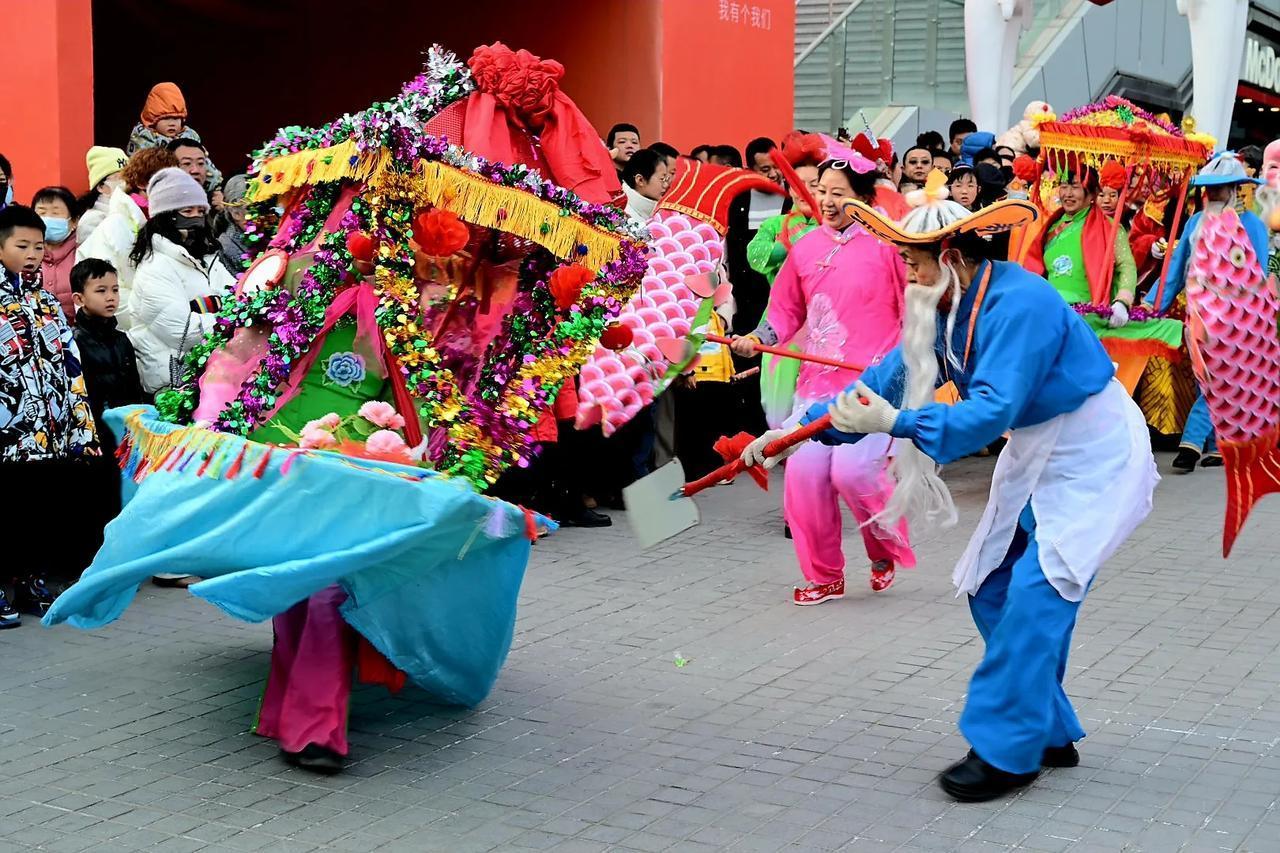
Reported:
(919, 493)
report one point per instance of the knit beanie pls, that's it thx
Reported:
(102, 161)
(234, 189)
(173, 189)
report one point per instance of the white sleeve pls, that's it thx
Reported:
(160, 305)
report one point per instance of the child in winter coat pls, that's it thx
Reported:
(179, 282)
(45, 418)
(106, 356)
(57, 207)
(164, 118)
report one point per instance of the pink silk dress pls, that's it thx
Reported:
(839, 295)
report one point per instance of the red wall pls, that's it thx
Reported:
(77, 71)
(726, 71)
(46, 92)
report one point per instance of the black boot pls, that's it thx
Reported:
(1060, 756)
(1211, 460)
(315, 758)
(975, 781)
(1185, 461)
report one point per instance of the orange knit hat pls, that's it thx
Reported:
(164, 101)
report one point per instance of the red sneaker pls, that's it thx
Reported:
(882, 572)
(816, 593)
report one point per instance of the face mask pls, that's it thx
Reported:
(56, 229)
(110, 185)
(189, 223)
(8, 196)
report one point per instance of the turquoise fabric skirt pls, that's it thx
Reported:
(431, 568)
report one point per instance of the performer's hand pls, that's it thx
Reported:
(744, 346)
(1158, 248)
(753, 454)
(1119, 315)
(862, 411)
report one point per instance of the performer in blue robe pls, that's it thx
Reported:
(1073, 482)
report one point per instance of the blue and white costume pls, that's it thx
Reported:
(1075, 479)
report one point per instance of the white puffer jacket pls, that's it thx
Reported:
(112, 240)
(168, 306)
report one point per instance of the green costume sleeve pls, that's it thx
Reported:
(1124, 283)
(760, 254)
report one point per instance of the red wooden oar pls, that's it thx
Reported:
(786, 353)
(734, 467)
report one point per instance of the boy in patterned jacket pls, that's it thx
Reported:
(44, 412)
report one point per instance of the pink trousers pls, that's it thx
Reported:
(309, 686)
(817, 478)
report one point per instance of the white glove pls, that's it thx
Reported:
(753, 454)
(1119, 315)
(862, 411)
(1158, 249)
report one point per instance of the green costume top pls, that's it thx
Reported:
(766, 251)
(1065, 270)
(1064, 261)
(338, 382)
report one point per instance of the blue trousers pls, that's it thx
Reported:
(1016, 706)
(1198, 433)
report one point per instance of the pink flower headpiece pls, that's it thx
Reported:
(837, 150)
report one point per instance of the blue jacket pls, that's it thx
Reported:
(1032, 359)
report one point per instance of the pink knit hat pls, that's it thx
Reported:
(173, 189)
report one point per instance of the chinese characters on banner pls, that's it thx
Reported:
(740, 13)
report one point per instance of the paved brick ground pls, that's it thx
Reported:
(788, 728)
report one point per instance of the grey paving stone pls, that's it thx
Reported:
(789, 729)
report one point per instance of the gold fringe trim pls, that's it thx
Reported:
(514, 211)
(471, 197)
(281, 174)
(1097, 150)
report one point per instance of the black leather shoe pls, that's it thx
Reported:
(315, 758)
(1212, 460)
(1060, 756)
(1185, 461)
(585, 518)
(975, 781)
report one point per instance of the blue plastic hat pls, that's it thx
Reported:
(1225, 169)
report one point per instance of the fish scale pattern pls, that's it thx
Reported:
(1234, 331)
(615, 386)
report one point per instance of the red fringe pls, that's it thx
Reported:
(262, 465)
(205, 464)
(235, 466)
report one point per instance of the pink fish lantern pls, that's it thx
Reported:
(686, 244)
(1235, 353)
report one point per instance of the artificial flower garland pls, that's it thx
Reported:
(1137, 313)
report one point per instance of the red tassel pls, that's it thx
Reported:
(165, 458)
(177, 457)
(530, 525)
(262, 465)
(235, 466)
(205, 464)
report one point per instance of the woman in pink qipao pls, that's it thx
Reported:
(838, 295)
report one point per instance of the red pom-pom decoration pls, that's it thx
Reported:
(440, 233)
(1025, 169)
(616, 336)
(566, 284)
(361, 246)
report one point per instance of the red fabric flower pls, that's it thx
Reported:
(1025, 169)
(803, 149)
(616, 336)
(361, 246)
(440, 233)
(566, 284)
(1113, 175)
(523, 83)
